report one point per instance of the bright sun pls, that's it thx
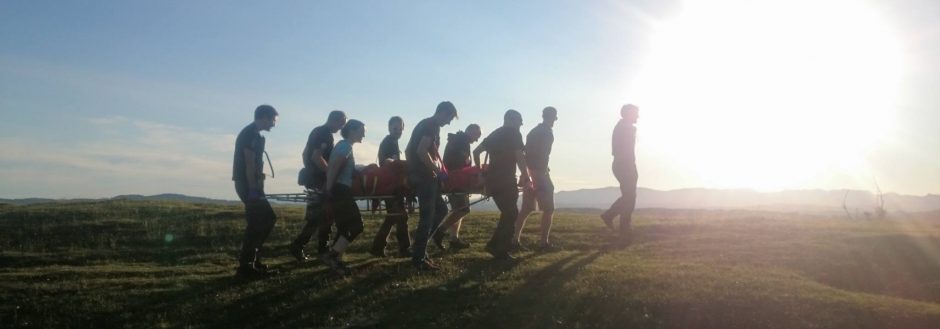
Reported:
(769, 94)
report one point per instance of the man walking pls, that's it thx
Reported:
(623, 145)
(538, 148)
(315, 156)
(425, 176)
(395, 207)
(506, 151)
(457, 156)
(247, 169)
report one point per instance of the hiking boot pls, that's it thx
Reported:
(439, 240)
(517, 246)
(499, 255)
(426, 266)
(329, 259)
(546, 247)
(297, 252)
(609, 221)
(458, 244)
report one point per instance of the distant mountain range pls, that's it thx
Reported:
(133, 197)
(698, 198)
(854, 201)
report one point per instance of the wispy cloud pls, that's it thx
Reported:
(155, 157)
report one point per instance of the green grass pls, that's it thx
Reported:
(162, 264)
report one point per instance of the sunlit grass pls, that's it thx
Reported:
(109, 264)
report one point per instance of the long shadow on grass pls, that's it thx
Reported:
(475, 292)
(310, 299)
(540, 302)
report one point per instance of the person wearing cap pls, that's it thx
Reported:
(316, 156)
(623, 145)
(457, 156)
(247, 172)
(507, 153)
(425, 176)
(538, 148)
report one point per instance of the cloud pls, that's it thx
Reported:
(148, 157)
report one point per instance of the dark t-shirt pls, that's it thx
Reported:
(538, 147)
(623, 142)
(249, 138)
(320, 138)
(457, 151)
(501, 145)
(388, 149)
(427, 127)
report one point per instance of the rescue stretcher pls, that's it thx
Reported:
(373, 184)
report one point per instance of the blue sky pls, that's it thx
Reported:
(117, 97)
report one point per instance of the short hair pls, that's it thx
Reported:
(549, 112)
(628, 108)
(336, 116)
(396, 120)
(264, 112)
(473, 126)
(350, 126)
(447, 108)
(511, 114)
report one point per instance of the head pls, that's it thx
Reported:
(335, 121)
(512, 118)
(473, 132)
(354, 131)
(396, 125)
(549, 116)
(445, 113)
(265, 117)
(630, 113)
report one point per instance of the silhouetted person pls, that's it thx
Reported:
(247, 169)
(624, 168)
(338, 192)
(457, 156)
(507, 152)
(425, 176)
(395, 207)
(538, 148)
(315, 156)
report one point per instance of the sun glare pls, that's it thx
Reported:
(769, 94)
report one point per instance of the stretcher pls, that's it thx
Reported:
(371, 203)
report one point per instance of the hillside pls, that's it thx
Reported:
(134, 264)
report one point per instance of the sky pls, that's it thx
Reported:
(104, 98)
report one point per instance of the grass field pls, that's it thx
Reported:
(147, 264)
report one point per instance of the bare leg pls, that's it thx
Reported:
(547, 218)
(455, 229)
(528, 206)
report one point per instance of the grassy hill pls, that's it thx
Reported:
(125, 263)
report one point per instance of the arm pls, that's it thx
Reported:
(523, 173)
(317, 158)
(467, 157)
(335, 164)
(425, 155)
(251, 170)
(476, 153)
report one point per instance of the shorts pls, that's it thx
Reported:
(459, 201)
(543, 197)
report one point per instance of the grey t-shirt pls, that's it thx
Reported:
(343, 149)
